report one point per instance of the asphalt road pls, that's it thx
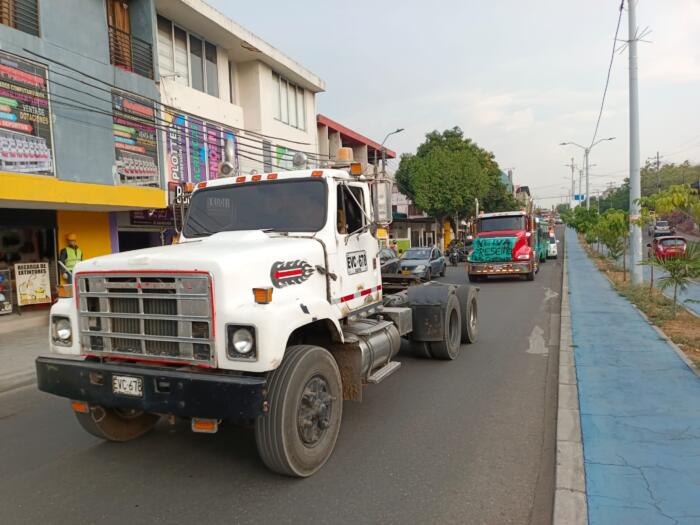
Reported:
(467, 441)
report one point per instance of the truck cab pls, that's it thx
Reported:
(505, 243)
(268, 310)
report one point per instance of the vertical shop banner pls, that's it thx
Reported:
(135, 143)
(5, 292)
(25, 117)
(194, 147)
(32, 281)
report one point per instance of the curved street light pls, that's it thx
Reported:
(586, 152)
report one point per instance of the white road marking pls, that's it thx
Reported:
(537, 344)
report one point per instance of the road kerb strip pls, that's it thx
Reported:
(570, 504)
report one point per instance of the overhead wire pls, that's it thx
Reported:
(607, 78)
(150, 99)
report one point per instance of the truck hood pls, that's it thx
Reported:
(235, 252)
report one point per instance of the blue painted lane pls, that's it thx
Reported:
(640, 408)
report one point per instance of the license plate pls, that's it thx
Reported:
(406, 272)
(127, 386)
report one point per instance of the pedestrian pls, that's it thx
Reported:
(70, 256)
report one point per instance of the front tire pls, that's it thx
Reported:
(116, 424)
(444, 269)
(428, 275)
(530, 276)
(298, 434)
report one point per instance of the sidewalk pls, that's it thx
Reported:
(18, 350)
(640, 408)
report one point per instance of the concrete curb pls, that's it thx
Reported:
(570, 503)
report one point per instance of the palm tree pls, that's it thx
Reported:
(679, 271)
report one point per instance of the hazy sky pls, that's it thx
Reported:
(518, 77)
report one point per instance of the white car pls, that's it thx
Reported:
(552, 247)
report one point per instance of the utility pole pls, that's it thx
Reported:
(635, 176)
(658, 172)
(573, 184)
(580, 179)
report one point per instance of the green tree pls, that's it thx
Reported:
(679, 271)
(449, 171)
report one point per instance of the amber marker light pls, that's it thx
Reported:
(262, 295)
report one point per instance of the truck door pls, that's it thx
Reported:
(358, 271)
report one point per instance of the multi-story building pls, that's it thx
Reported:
(103, 103)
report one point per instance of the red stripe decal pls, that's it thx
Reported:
(379, 288)
(347, 298)
(365, 292)
(288, 273)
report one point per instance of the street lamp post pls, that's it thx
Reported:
(586, 152)
(383, 150)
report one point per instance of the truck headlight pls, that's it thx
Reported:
(61, 330)
(241, 342)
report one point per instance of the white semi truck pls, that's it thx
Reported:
(267, 311)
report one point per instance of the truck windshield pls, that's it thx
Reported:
(285, 205)
(495, 224)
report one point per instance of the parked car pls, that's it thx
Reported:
(423, 262)
(662, 228)
(667, 246)
(389, 261)
(552, 247)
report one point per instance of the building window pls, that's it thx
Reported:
(290, 106)
(190, 60)
(23, 15)
(125, 50)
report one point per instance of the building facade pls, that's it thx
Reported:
(104, 104)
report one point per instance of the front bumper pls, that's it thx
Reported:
(500, 268)
(165, 391)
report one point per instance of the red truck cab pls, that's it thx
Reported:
(504, 244)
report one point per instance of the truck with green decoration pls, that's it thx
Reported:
(505, 243)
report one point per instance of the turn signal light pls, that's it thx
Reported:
(206, 426)
(80, 406)
(262, 295)
(355, 168)
(65, 291)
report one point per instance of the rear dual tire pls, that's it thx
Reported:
(115, 424)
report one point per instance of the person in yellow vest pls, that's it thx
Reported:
(70, 256)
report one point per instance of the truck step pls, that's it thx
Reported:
(384, 372)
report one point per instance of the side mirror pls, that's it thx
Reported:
(381, 201)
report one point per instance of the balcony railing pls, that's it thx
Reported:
(130, 53)
(20, 14)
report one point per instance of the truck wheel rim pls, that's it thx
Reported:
(454, 329)
(315, 409)
(472, 317)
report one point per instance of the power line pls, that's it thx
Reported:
(155, 101)
(607, 79)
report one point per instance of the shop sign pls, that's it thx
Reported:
(32, 281)
(160, 217)
(194, 147)
(135, 140)
(5, 292)
(25, 117)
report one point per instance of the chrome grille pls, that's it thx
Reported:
(147, 315)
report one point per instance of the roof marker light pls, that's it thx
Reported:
(201, 185)
(317, 173)
(256, 178)
(271, 176)
(240, 179)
